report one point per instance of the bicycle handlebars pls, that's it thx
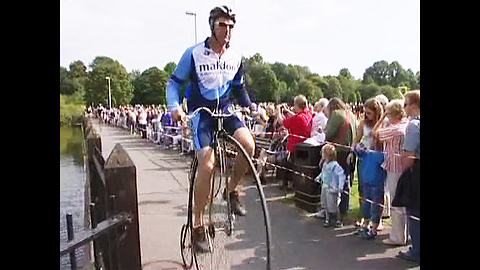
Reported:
(214, 115)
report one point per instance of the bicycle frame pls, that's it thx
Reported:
(220, 153)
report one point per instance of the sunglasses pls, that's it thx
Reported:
(222, 24)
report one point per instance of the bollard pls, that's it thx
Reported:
(70, 235)
(121, 182)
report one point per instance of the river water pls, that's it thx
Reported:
(72, 189)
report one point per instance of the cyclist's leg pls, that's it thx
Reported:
(244, 137)
(202, 127)
(206, 159)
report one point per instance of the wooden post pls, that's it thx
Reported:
(87, 126)
(121, 181)
(98, 193)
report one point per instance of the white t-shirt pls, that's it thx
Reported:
(317, 136)
(319, 121)
(142, 118)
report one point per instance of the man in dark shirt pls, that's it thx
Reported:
(411, 160)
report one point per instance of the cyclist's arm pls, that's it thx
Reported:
(179, 76)
(239, 90)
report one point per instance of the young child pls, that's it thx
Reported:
(373, 180)
(332, 178)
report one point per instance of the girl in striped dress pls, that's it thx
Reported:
(392, 135)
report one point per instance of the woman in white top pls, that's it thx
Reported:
(142, 123)
(373, 112)
(319, 121)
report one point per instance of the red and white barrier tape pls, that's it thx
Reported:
(334, 143)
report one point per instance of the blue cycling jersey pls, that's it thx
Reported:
(209, 76)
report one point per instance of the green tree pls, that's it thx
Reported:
(132, 76)
(390, 92)
(417, 81)
(348, 84)
(249, 63)
(368, 91)
(412, 80)
(72, 81)
(345, 73)
(77, 69)
(263, 82)
(302, 71)
(170, 68)
(334, 88)
(294, 79)
(396, 74)
(70, 110)
(287, 73)
(65, 84)
(257, 58)
(349, 87)
(292, 91)
(149, 87)
(282, 93)
(378, 72)
(321, 86)
(311, 91)
(96, 90)
(77, 75)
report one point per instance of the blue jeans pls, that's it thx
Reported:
(414, 228)
(344, 205)
(374, 193)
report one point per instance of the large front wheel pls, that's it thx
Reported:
(235, 240)
(257, 212)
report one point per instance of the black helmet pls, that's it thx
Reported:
(220, 11)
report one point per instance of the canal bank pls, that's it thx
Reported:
(72, 188)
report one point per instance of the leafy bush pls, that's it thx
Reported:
(70, 110)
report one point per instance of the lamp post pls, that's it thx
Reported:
(109, 93)
(194, 14)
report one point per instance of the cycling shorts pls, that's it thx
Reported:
(203, 126)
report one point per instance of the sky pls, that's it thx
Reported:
(325, 36)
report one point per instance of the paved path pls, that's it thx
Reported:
(299, 242)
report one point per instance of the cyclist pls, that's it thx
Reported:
(215, 74)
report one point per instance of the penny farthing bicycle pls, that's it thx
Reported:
(227, 234)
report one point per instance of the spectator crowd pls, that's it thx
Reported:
(380, 138)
